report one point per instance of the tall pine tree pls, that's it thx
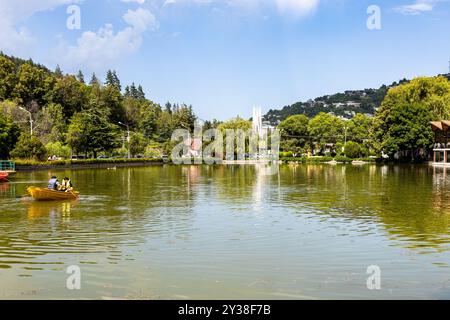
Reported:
(58, 72)
(94, 80)
(80, 76)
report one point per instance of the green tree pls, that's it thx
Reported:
(110, 98)
(140, 92)
(352, 150)
(402, 123)
(150, 114)
(91, 132)
(433, 92)
(51, 124)
(112, 80)
(9, 134)
(325, 128)
(80, 77)
(164, 126)
(58, 72)
(58, 149)
(184, 118)
(294, 133)
(31, 85)
(94, 80)
(408, 132)
(29, 147)
(138, 143)
(7, 78)
(70, 93)
(360, 128)
(235, 124)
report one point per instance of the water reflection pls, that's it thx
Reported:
(203, 227)
(411, 202)
(51, 209)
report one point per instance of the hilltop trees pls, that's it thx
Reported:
(67, 111)
(31, 85)
(80, 77)
(7, 78)
(69, 93)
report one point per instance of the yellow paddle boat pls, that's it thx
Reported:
(43, 194)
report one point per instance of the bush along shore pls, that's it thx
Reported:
(338, 159)
(31, 165)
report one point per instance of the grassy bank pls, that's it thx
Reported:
(31, 165)
(338, 159)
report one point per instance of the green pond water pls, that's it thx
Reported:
(219, 232)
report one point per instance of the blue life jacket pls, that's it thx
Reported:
(53, 184)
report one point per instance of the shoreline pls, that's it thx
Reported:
(73, 165)
(125, 163)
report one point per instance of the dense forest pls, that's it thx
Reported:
(73, 116)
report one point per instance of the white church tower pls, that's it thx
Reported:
(257, 121)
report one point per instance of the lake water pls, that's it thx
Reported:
(201, 232)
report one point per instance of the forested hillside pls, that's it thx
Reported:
(70, 115)
(346, 104)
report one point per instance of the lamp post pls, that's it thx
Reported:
(31, 118)
(345, 140)
(128, 137)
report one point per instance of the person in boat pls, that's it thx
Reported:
(66, 185)
(53, 183)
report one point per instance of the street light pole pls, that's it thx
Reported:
(31, 118)
(128, 138)
(345, 139)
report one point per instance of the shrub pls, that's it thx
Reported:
(29, 147)
(352, 150)
(307, 160)
(152, 152)
(58, 149)
(288, 154)
(31, 162)
(343, 159)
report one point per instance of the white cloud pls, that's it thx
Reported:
(297, 7)
(290, 7)
(140, 19)
(97, 51)
(136, 1)
(15, 39)
(420, 6)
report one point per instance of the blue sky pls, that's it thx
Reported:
(225, 56)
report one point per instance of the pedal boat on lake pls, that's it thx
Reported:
(3, 176)
(43, 194)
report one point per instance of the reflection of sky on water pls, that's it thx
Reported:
(309, 231)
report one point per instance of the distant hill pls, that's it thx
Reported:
(345, 104)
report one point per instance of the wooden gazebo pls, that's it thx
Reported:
(441, 148)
